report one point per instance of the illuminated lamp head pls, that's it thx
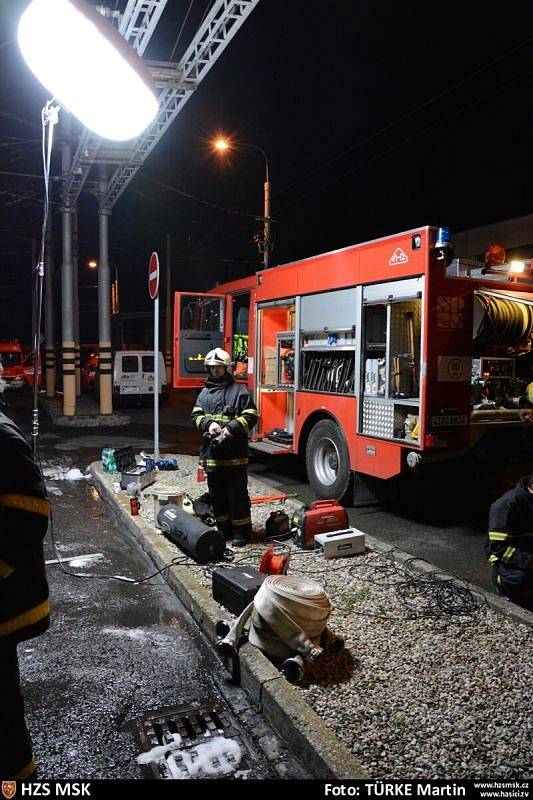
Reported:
(88, 67)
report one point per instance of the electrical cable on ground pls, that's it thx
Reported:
(422, 595)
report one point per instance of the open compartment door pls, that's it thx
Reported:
(198, 328)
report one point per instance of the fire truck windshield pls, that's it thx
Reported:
(10, 359)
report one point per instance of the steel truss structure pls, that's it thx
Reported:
(177, 83)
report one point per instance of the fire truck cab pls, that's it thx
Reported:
(222, 317)
(18, 368)
(377, 358)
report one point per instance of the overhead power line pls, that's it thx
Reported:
(181, 30)
(192, 219)
(396, 146)
(19, 119)
(16, 141)
(21, 174)
(203, 202)
(405, 116)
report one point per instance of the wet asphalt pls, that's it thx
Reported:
(115, 651)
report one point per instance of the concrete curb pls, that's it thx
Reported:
(310, 738)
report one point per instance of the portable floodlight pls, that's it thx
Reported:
(89, 68)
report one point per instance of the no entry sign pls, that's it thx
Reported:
(153, 276)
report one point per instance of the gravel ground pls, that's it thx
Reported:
(432, 683)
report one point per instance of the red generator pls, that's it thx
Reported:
(322, 516)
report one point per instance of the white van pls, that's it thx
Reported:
(134, 377)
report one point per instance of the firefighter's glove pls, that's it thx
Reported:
(215, 429)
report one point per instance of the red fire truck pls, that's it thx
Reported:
(375, 359)
(18, 368)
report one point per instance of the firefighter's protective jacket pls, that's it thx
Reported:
(24, 510)
(231, 405)
(510, 542)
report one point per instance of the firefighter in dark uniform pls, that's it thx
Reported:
(510, 545)
(224, 413)
(24, 605)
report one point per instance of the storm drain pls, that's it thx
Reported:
(194, 741)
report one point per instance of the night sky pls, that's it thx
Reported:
(376, 117)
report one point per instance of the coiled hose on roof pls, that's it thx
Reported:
(498, 320)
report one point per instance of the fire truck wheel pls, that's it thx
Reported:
(327, 461)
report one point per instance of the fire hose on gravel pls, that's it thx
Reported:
(288, 622)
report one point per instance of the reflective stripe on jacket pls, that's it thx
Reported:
(211, 406)
(24, 510)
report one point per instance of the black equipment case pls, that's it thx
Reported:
(278, 526)
(198, 540)
(236, 588)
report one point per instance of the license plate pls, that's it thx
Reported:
(448, 420)
(129, 390)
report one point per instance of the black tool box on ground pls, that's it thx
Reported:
(278, 526)
(235, 588)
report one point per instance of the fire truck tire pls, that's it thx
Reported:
(327, 461)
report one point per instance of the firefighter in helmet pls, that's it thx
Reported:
(24, 605)
(510, 542)
(225, 413)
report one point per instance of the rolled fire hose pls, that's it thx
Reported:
(288, 616)
(498, 320)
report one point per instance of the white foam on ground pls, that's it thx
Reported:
(130, 633)
(219, 756)
(62, 474)
(158, 753)
(82, 562)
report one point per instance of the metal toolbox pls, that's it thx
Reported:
(139, 476)
(340, 543)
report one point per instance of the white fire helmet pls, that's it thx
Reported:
(217, 358)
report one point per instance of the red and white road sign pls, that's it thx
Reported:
(153, 276)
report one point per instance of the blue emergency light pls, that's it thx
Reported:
(444, 237)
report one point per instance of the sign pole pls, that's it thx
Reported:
(153, 288)
(156, 378)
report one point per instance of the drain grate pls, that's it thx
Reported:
(195, 725)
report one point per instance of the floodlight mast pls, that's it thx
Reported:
(93, 71)
(50, 118)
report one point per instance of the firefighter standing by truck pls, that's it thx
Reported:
(24, 605)
(510, 545)
(225, 413)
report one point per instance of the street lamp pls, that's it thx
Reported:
(115, 305)
(222, 145)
